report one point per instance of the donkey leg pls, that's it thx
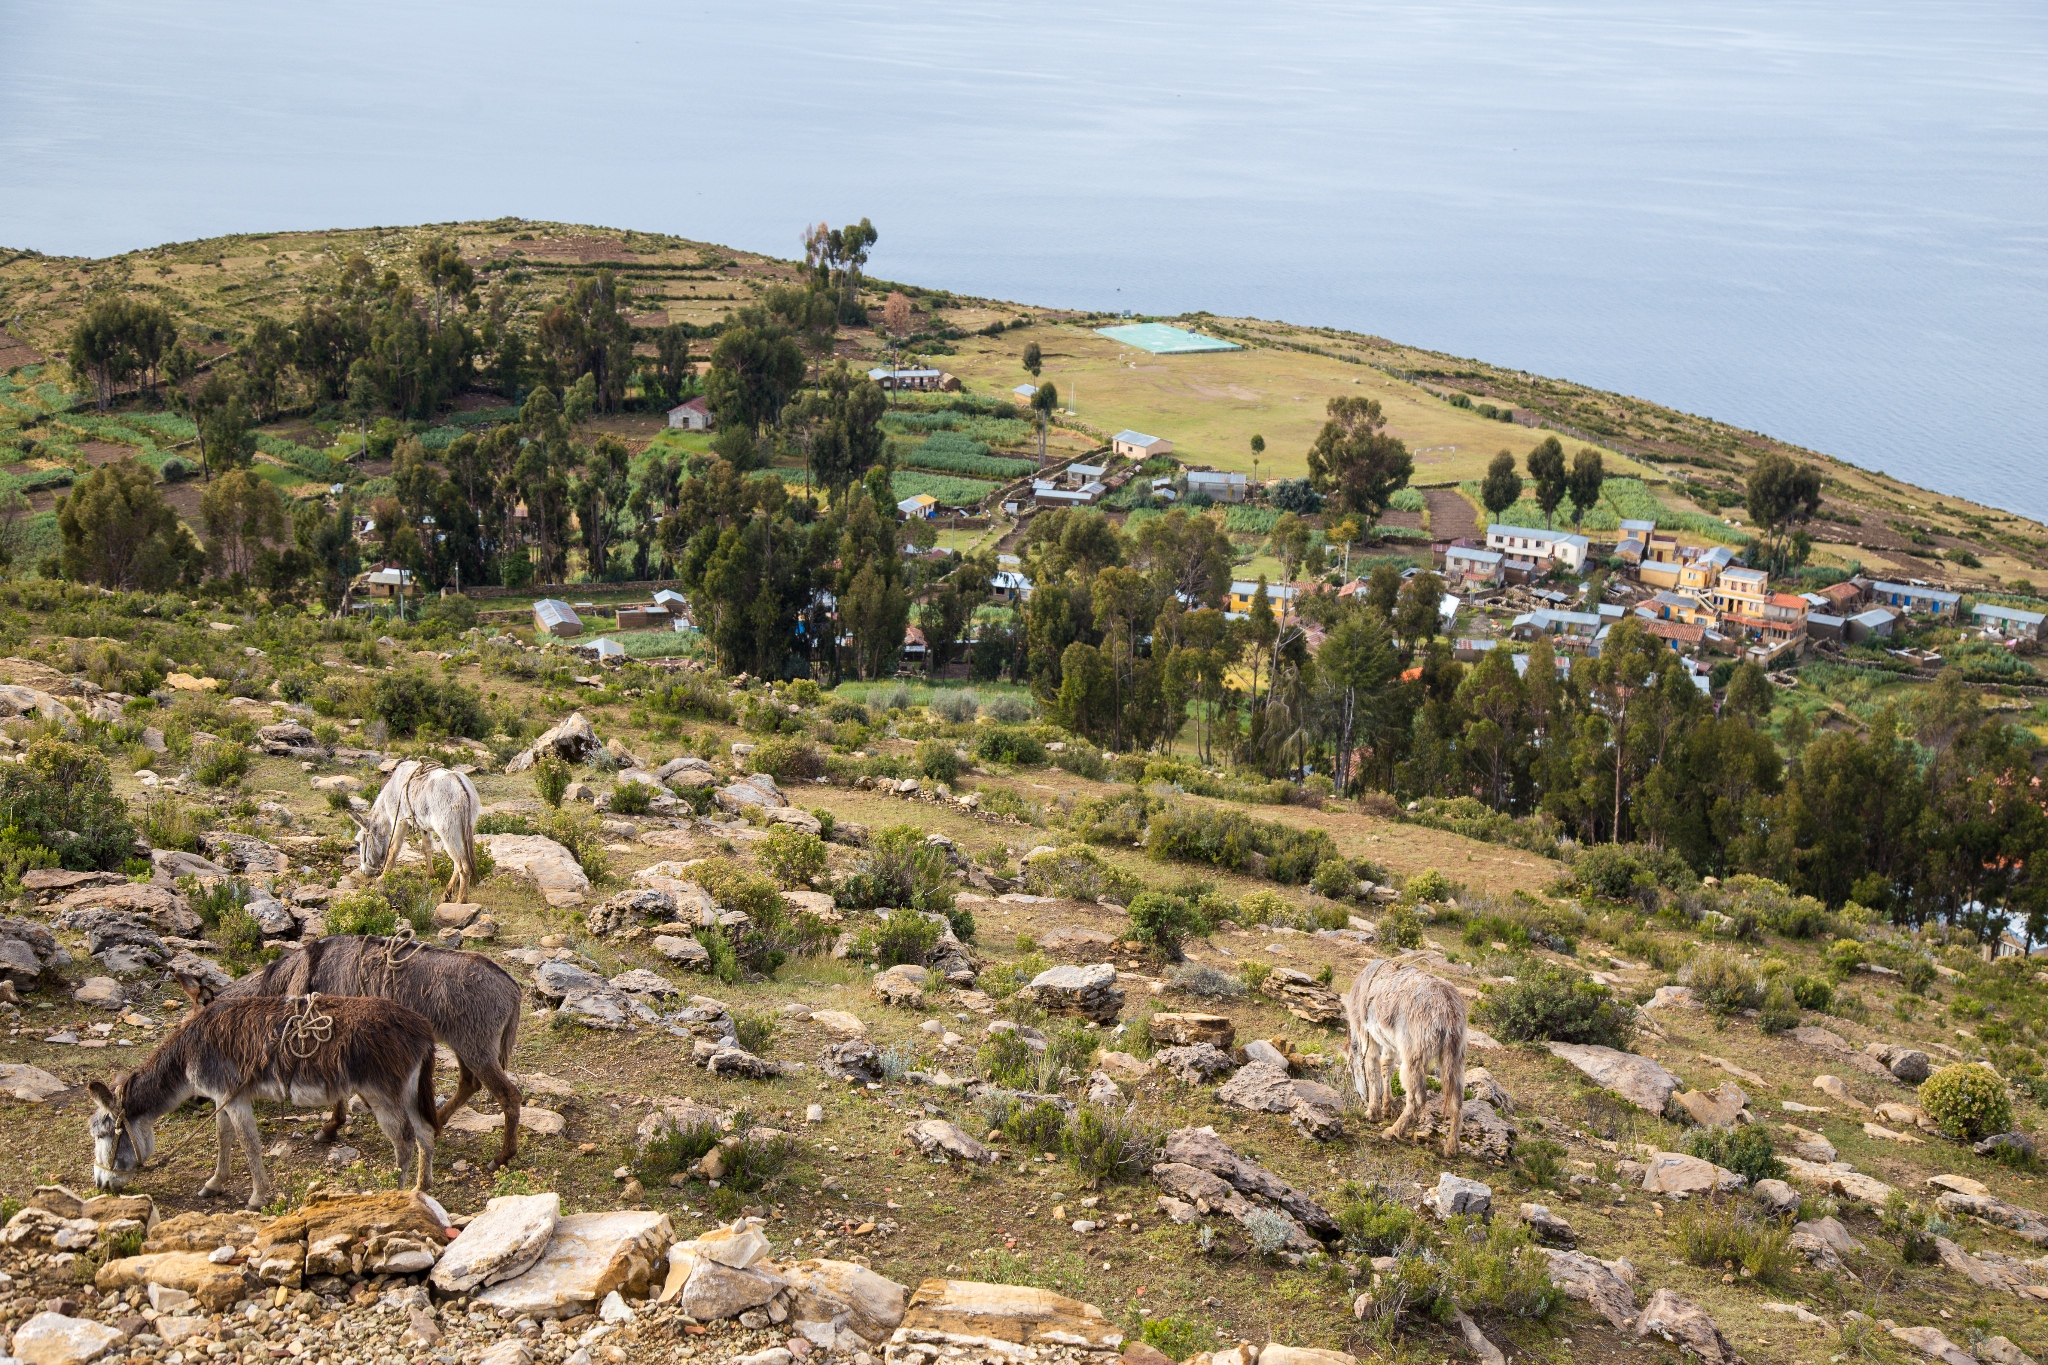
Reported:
(260, 1190)
(464, 1088)
(402, 1130)
(1414, 1081)
(223, 1132)
(508, 1097)
(331, 1129)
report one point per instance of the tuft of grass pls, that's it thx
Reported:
(1724, 1237)
(1109, 1147)
(220, 765)
(1370, 1223)
(756, 1031)
(675, 1150)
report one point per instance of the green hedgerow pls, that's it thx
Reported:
(1555, 1004)
(1967, 1100)
(1008, 744)
(787, 757)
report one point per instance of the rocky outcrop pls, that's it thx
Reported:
(589, 1256)
(946, 1141)
(2027, 1224)
(53, 1338)
(1303, 996)
(1186, 1030)
(1457, 1197)
(572, 741)
(1606, 1286)
(1677, 1173)
(1195, 1064)
(289, 739)
(505, 1240)
(1908, 1064)
(1090, 991)
(1636, 1079)
(1000, 1317)
(1721, 1107)
(1266, 1088)
(1685, 1324)
(1201, 1149)
(535, 858)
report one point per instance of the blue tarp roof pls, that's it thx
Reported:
(1160, 339)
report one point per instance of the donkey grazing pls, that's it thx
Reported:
(309, 1050)
(1405, 1015)
(470, 1002)
(429, 798)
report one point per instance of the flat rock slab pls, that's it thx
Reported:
(54, 1339)
(29, 1084)
(1639, 1080)
(1597, 1283)
(535, 858)
(505, 1240)
(849, 1295)
(532, 1120)
(939, 1138)
(959, 1312)
(1303, 996)
(1720, 1107)
(1687, 1325)
(1203, 1150)
(1185, 1030)
(214, 1286)
(1091, 991)
(1677, 1173)
(589, 1256)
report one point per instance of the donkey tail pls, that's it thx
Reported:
(423, 1105)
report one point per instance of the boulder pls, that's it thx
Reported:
(1677, 1173)
(947, 1141)
(1823, 1241)
(2000, 1351)
(740, 795)
(1201, 1149)
(53, 1338)
(1266, 1088)
(795, 818)
(165, 909)
(901, 985)
(1595, 1283)
(1636, 1079)
(709, 1290)
(1303, 996)
(1483, 1130)
(1930, 1342)
(540, 860)
(641, 904)
(1085, 945)
(590, 1255)
(674, 1116)
(1685, 1324)
(1834, 1089)
(1984, 1274)
(1185, 1030)
(841, 1023)
(1778, 1198)
(1720, 1107)
(29, 1084)
(642, 982)
(1480, 1084)
(19, 965)
(289, 739)
(572, 740)
(1550, 1230)
(2024, 1223)
(683, 950)
(215, 1286)
(1837, 1177)
(1908, 1064)
(1454, 1196)
(2018, 1144)
(1672, 998)
(1273, 1353)
(1195, 1064)
(847, 1296)
(1090, 991)
(503, 1241)
(16, 700)
(961, 1313)
(101, 992)
(1808, 1145)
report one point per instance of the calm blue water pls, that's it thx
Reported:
(1821, 220)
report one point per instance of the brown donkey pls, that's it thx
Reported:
(471, 1002)
(307, 1050)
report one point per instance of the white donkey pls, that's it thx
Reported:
(431, 799)
(1404, 1015)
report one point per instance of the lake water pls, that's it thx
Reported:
(1828, 221)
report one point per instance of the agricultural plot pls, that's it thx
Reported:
(949, 489)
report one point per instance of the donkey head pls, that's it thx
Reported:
(371, 845)
(119, 1147)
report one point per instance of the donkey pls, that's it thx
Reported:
(298, 1050)
(429, 798)
(1403, 1014)
(470, 1002)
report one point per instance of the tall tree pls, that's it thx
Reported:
(1033, 358)
(1547, 472)
(1418, 612)
(1356, 662)
(1502, 488)
(240, 512)
(588, 332)
(118, 532)
(754, 372)
(1583, 483)
(1045, 401)
(1782, 496)
(1355, 461)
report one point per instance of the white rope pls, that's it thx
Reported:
(306, 1027)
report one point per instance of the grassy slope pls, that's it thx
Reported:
(1210, 405)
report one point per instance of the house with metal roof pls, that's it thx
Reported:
(919, 505)
(1010, 586)
(1046, 493)
(1281, 595)
(911, 379)
(388, 582)
(1528, 546)
(2009, 622)
(551, 616)
(1471, 565)
(1545, 621)
(691, 415)
(1915, 599)
(1023, 394)
(1873, 624)
(1136, 445)
(1218, 485)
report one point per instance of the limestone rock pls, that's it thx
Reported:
(673, 1116)
(1185, 1030)
(1823, 1241)
(53, 1338)
(1090, 991)
(1482, 1129)
(1636, 1079)
(1808, 1145)
(1984, 1274)
(590, 1255)
(2001, 1351)
(503, 1241)
(289, 739)
(1454, 1196)
(627, 908)
(1908, 1064)
(901, 985)
(740, 795)
(1930, 1341)
(1203, 1150)
(1266, 1088)
(1838, 1177)
(2026, 1224)
(573, 741)
(165, 909)
(100, 992)
(795, 818)
(1480, 1084)
(1196, 1063)
(1720, 1107)
(711, 1290)
(1673, 998)
(938, 1137)
(1684, 1323)
(683, 950)
(535, 858)
(215, 1286)
(1303, 996)
(1085, 945)
(1273, 1353)
(1776, 1196)
(1676, 1173)
(841, 1023)
(847, 1295)
(1595, 1283)
(641, 982)
(962, 1312)
(1550, 1230)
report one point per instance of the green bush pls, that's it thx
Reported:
(551, 779)
(1812, 992)
(168, 822)
(632, 798)
(1723, 981)
(1610, 871)
(1335, 879)
(899, 868)
(1780, 1008)
(412, 701)
(1166, 922)
(583, 836)
(1109, 1147)
(1967, 1100)
(1008, 744)
(1913, 1227)
(241, 941)
(61, 797)
(1035, 1128)
(795, 858)
(905, 936)
(674, 1150)
(1555, 1004)
(1230, 839)
(1715, 1236)
(787, 757)
(220, 764)
(1400, 928)
(361, 912)
(1078, 873)
(937, 760)
(1428, 885)
(1844, 956)
(1747, 1151)
(1370, 1223)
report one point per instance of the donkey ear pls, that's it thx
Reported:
(197, 991)
(103, 1096)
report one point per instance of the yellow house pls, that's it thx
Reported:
(1280, 595)
(1739, 595)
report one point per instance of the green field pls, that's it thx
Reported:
(949, 489)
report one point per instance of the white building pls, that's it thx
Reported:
(693, 415)
(1136, 445)
(1527, 542)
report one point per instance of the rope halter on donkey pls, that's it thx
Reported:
(307, 1027)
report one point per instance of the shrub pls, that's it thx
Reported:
(1008, 1061)
(210, 902)
(1034, 1128)
(1967, 1100)
(1780, 1009)
(1204, 983)
(632, 798)
(61, 797)
(168, 822)
(1008, 744)
(755, 1031)
(1166, 922)
(1913, 1227)
(361, 912)
(1498, 1268)
(1715, 1236)
(955, 708)
(1007, 708)
(899, 868)
(1812, 992)
(551, 779)
(906, 936)
(1399, 928)
(937, 760)
(755, 1163)
(723, 960)
(1078, 873)
(241, 940)
(1176, 1337)
(583, 836)
(692, 694)
(787, 756)
(1555, 1004)
(1109, 1147)
(1335, 879)
(1747, 1151)
(1230, 839)
(1428, 885)
(410, 701)
(1268, 1232)
(1611, 872)
(1723, 981)
(220, 764)
(1538, 1165)
(1372, 1224)
(793, 857)
(674, 1150)
(1844, 956)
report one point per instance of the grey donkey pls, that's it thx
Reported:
(471, 1002)
(1402, 1014)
